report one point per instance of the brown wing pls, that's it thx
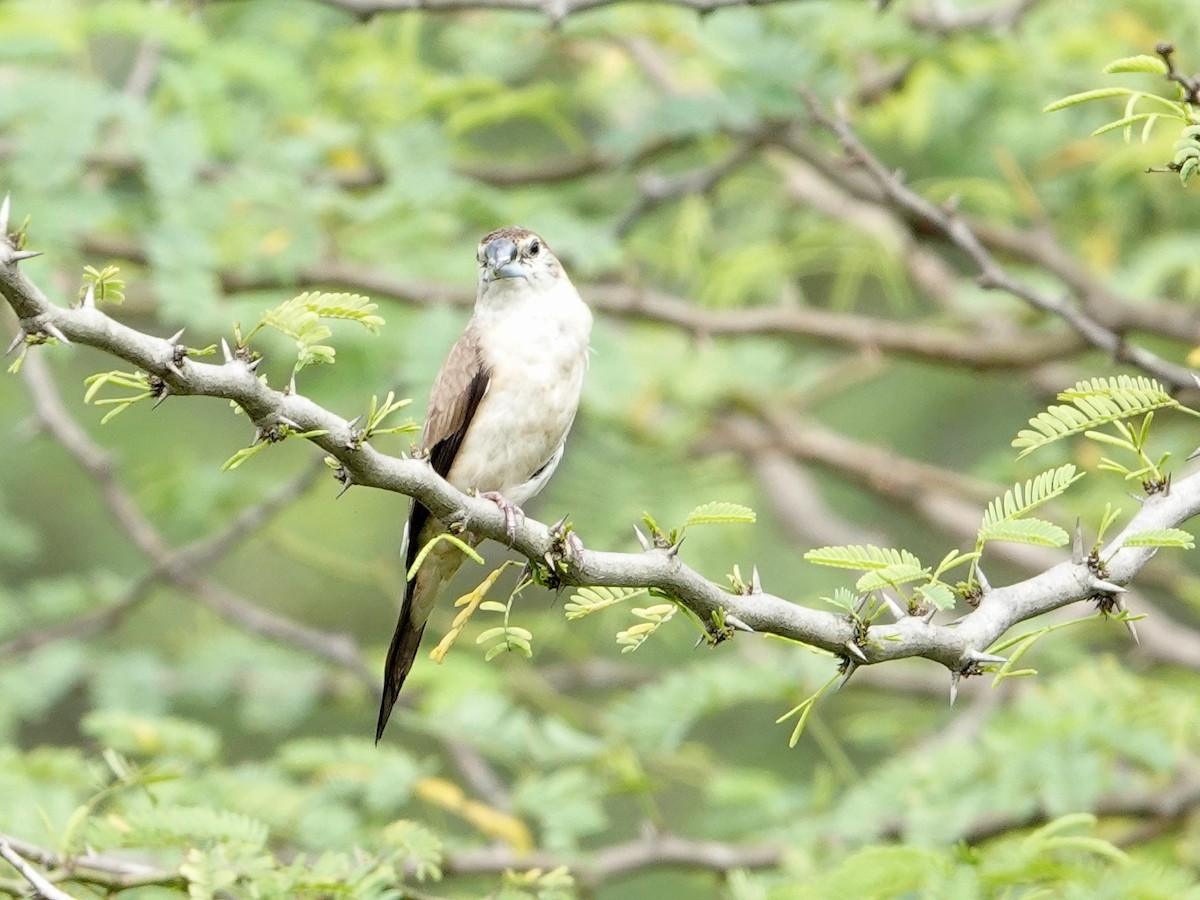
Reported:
(457, 391)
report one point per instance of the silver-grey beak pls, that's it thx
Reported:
(501, 258)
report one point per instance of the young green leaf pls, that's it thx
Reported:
(1093, 403)
(1025, 531)
(864, 558)
(899, 573)
(1152, 65)
(1161, 537)
(718, 513)
(587, 600)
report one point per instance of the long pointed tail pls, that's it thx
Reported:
(401, 654)
(420, 594)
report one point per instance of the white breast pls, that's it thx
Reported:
(535, 344)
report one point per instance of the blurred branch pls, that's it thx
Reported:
(180, 567)
(111, 872)
(991, 274)
(655, 189)
(943, 18)
(1020, 350)
(653, 851)
(199, 553)
(41, 886)
(959, 647)
(555, 10)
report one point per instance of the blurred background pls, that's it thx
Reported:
(189, 658)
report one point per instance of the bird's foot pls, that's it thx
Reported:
(513, 514)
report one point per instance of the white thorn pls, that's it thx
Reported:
(22, 255)
(755, 581)
(954, 679)
(89, 297)
(738, 623)
(980, 657)
(1132, 632)
(174, 339)
(1107, 587)
(51, 329)
(16, 341)
(1077, 544)
(855, 649)
(641, 538)
(928, 616)
(984, 585)
(4, 210)
(894, 607)
(225, 351)
(851, 667)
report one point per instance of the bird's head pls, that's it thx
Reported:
(514, 258)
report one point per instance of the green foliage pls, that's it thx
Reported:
(303, 320)
(1097, 402)
(444, 537)
(883, 566)
(379, 413)
(653, 617)
(136, 381)
(1176, 538)
(713, 513)
(587, 600)
(666, 157)
(1186, 159)
(104, 284)
(1006, 516)
(274, 436)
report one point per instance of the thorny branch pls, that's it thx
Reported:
(961, 646)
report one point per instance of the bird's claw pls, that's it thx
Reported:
(513, 514)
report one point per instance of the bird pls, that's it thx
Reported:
(499, 413)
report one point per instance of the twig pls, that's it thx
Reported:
(942, 19)
(991, 274)
(41, 885)
(1189, 83)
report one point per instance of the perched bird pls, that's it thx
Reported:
(499, 413)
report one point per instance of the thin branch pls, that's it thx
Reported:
(958, 647)
(178, 567)
(195, 555)
(942, 19)
(991, 274)
(1189, 83)
(554, 10)
(41, 886)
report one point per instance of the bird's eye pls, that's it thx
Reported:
(535, 247)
